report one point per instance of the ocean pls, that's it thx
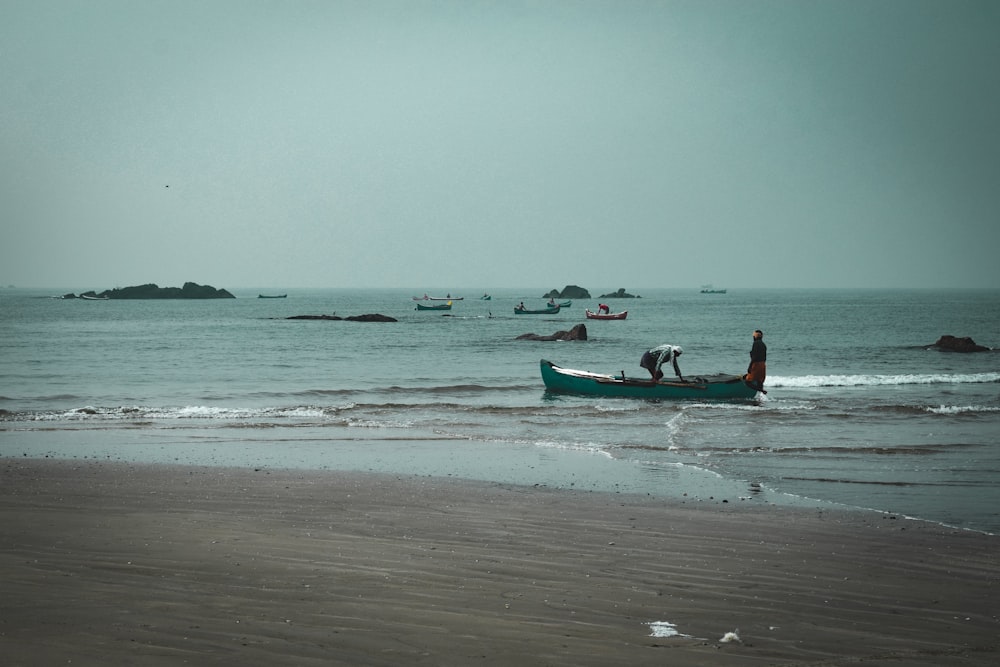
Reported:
(859, 412)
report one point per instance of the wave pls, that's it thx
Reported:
(840, 451)
(961, 409)
(133, 413)
(395, 411)
(916, 410)
(806, 381)
(457, 389)
(355, 412)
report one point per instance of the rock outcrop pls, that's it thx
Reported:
(152, 291)
(372, 317)
(569, 292)
(954, 344)
(620, 294)
(578, 332)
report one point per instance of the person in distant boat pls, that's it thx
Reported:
(552, 301)
(653, 358)
(520, 306)
(757, 370)
(603, 308)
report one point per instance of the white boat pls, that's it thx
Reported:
(438, 298)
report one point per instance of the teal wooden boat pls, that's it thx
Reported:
(712, 387)
(547, 311)
(434, 306)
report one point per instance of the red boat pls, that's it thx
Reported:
(606, 316)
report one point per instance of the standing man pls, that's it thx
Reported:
(654, 358)
(757, 370)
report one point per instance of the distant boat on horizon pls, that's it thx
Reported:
(272, 296)
(708, 289)
(438, 298)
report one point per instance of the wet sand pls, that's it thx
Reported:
(117, 563)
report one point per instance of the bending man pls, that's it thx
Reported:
(654, 358)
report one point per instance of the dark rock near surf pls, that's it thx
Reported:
(152, 291)
(578, 332)
(373, 317)
(953, 344)
(620, 294)
(569, 292)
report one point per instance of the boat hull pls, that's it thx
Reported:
(547, 311)
(609, 316)
(441, 306)
(585, 383)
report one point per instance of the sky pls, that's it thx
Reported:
(486, 144)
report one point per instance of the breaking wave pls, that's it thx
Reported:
(881, 380)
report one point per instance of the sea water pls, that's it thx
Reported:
(860, 411)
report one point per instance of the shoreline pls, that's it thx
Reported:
(170, 563)
(418, 454)
(429, 455)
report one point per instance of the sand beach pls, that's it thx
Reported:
(105, 562)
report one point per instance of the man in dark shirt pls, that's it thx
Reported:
(757, 370)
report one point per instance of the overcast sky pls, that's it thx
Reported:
(479, 144)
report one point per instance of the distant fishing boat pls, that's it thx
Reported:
(708, 289)
(434, 306)
(438, 298)
(87, 297)
(591, 315)
(518, 310)
(272, 296)
(485, 297)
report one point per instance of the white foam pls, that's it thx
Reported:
(880, 380)
(961, 409)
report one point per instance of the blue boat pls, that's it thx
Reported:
(585, 383)
(434, 306)
(547, 311)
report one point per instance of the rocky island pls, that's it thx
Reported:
(569, 292)
(152, 291)
(620, 294)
